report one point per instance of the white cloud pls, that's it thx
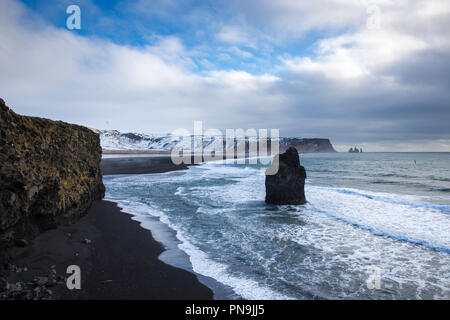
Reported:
(234, 35)
(240, 53)
(361, 54)
(361, 86)
(58, 74)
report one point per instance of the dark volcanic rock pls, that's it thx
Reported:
(307, 145)
(287, 186)
(50, 173)
(303, 145)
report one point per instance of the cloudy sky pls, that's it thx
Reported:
(370, 73)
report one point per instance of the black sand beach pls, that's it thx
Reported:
(139, 165)
(118, 258)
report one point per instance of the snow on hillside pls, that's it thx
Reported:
(115, 140)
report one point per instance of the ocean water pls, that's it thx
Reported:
(382, 215)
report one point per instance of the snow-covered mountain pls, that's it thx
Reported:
(115, 140)
(112, 140)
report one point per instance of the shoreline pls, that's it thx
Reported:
(174, 256)
(139, 165)
(118, 260)
(118, 257)
(161, 232)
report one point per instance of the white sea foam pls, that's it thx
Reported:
(322, 248)
(242, 286)
(400, 219)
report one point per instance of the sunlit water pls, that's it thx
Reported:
(388, 212)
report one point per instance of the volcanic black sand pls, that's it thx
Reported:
(118, 258)
(139, 165)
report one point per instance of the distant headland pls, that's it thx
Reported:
(113, 141)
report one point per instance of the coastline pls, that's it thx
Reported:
(173, 255)
(118, 258)
(121, 260)
(114, 262)
(139, 165)
(135, 164)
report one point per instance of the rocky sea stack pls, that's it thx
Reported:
(287, 185)
(49, 174)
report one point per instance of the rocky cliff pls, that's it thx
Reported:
(287, 184)
(50, 173)
(306, 145)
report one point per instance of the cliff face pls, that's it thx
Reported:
(305, 145)
(50, 173)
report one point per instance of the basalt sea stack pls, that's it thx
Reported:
(287, 185)
(49, 173)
